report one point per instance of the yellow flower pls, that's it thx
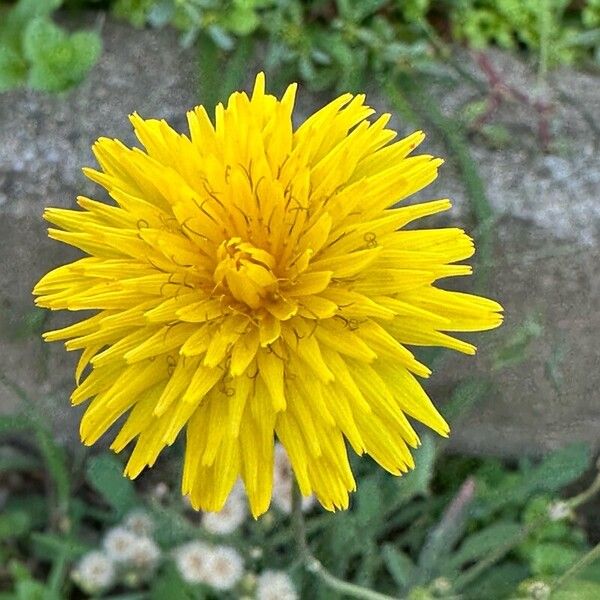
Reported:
(253, 281)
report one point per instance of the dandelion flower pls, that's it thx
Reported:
(253, 281)
(192, 560)
(275, 585)
(230, 517)
(95, 572)
(225, 568)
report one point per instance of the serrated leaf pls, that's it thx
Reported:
(400, 565)
(105, 475)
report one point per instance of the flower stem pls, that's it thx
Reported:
(314, 565)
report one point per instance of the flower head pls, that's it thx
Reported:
(253, 281)
(192, 561)
(275, 585)
(94, 573)
(225, 568)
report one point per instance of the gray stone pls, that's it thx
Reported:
(546, 251)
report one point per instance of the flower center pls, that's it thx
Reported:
(246, 271)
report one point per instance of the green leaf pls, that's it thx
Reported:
(552, 559)
(242, 21)
(41, 38)
(13, 69)
(28, 589)
(13, 423)
(553, 473)
(479, 544)
(578, 589)
(55, 459)
(14, 524)
(464, 397)
(170, 585)
(445, 534)
(86, 48)
(12, 460)
(369, 509)
(417, 481)
(497, 582)
(105, 475)
(49, 545)
(561, 467)
(399, 565)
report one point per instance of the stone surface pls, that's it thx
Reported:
(547, 235)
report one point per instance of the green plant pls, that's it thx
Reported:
(36, 52)
(454, 526)
(547, 27)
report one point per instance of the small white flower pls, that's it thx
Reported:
(145, 555)
(119, 544)
(94, 573)
(283, 481)
(225, 568)
(559, 510)
(192, 561)
(139, 522)
(275, 585)
(230, 517)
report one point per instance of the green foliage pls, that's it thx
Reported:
(105, 475)
(36, 52)
(420, 536)
(546, 26)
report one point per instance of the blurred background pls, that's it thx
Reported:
(508, 92)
